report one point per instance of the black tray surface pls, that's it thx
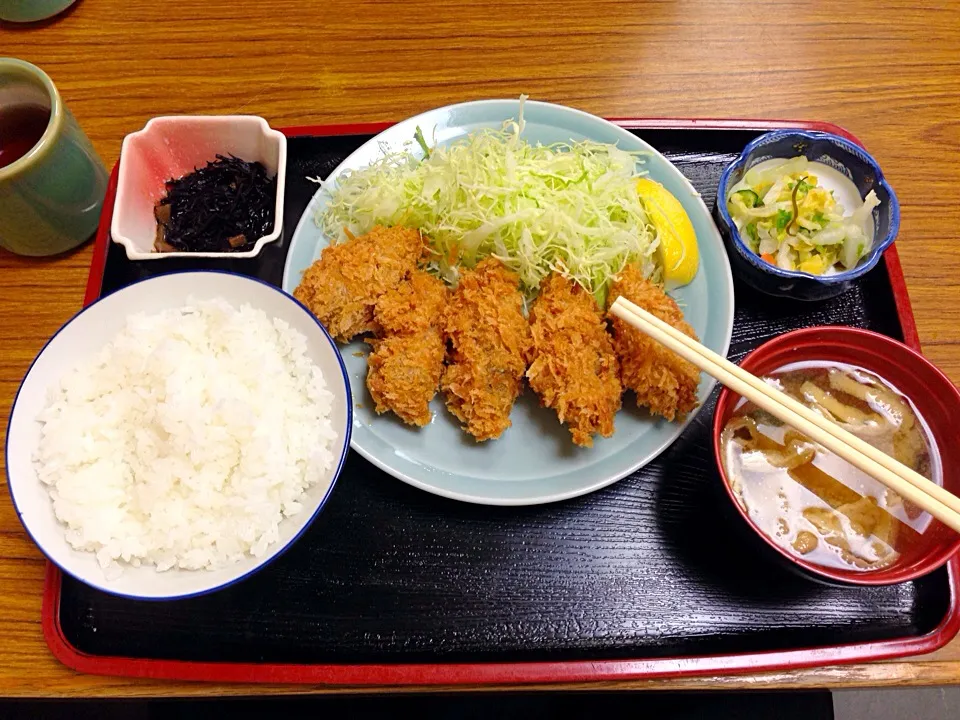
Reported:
(656, 565)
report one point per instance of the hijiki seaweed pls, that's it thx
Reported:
(222, 207)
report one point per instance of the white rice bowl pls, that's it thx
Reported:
(178, 434)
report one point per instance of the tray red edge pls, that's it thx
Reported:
(440, 674)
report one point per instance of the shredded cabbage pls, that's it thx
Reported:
(570, 207)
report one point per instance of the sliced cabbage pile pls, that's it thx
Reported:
(793, 223)
(571, 207)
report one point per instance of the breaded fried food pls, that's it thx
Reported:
(489, 348)
(574, 369)
(663, 381)
(403, 371)
(342, 287)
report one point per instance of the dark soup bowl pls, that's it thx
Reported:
(844, 507)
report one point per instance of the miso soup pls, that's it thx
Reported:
(804, 497)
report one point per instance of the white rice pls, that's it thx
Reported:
(187, 440)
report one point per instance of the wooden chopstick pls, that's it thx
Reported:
(908, 483)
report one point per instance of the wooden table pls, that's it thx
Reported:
(887, 72)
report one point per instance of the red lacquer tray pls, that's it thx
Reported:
(548, 667)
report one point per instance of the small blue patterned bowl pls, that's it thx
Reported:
(849, 159)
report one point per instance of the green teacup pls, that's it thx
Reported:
(31, 10)
(50, 197)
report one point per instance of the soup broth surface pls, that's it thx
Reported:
(808, 500)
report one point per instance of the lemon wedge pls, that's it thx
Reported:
(678, 240)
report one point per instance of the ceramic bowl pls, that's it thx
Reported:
(933, 395)
(853, 163)
(27, 11)
(170, 147)
(83, 336)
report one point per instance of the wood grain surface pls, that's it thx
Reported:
(885, 70)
